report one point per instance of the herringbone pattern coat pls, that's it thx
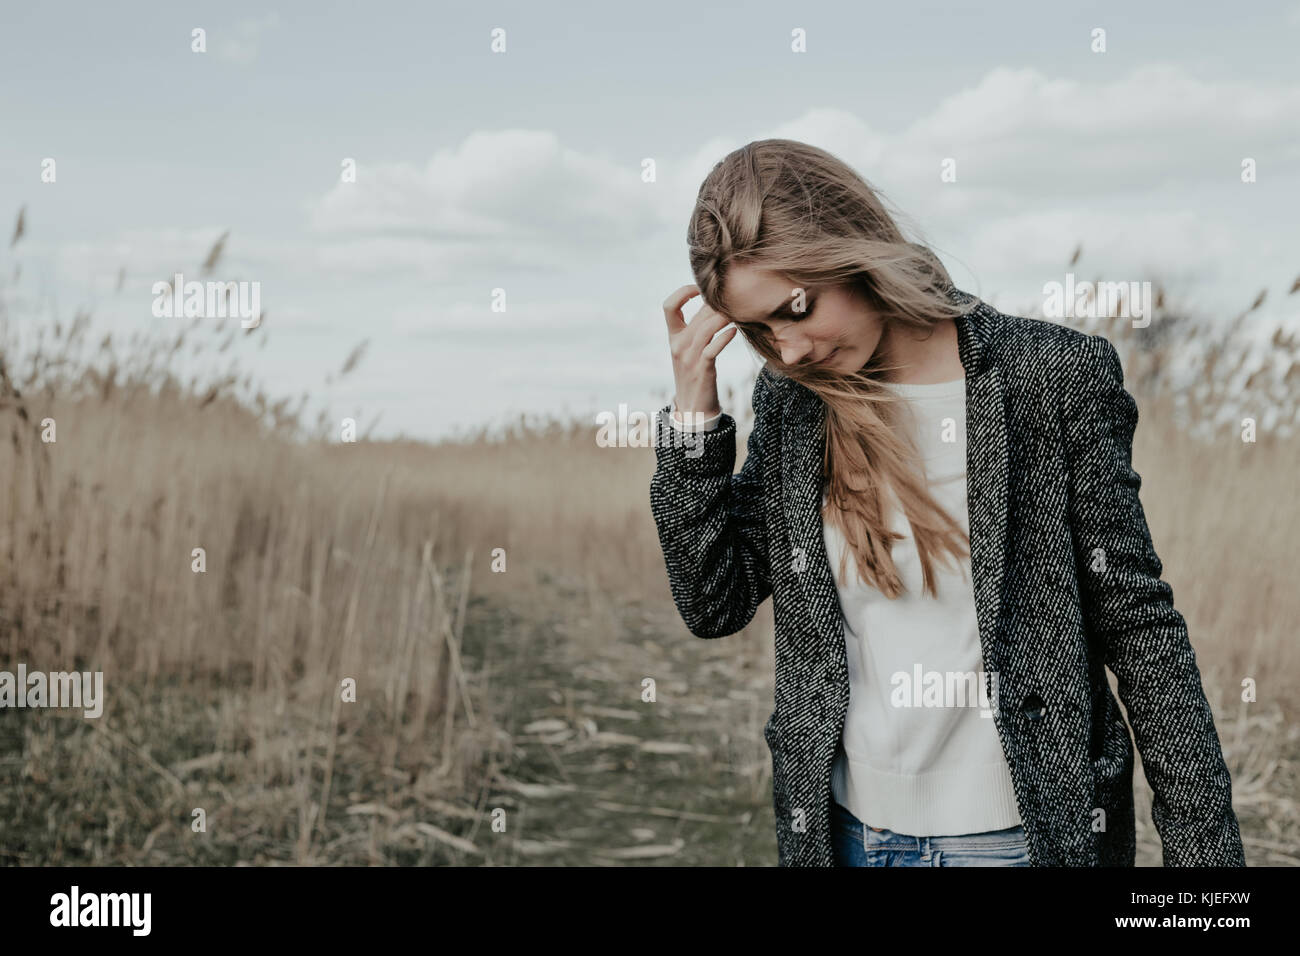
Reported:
(1066, 583)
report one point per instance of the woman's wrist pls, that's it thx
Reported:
(694, 421)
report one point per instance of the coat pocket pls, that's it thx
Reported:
(770, 733)
(776, 745)
(780, 792)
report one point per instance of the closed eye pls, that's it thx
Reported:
(788, 314)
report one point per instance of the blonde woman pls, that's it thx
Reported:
(941, 694)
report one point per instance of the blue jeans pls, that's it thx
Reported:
(857, 844)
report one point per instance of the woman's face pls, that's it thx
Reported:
(837, 330)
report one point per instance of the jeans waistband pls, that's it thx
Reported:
(883, 836)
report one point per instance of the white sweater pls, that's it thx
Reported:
(920, 754)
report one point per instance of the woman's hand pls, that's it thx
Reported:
(694, 349)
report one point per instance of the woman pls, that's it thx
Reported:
(941, 693)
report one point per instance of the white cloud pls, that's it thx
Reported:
(509, 186)
(1038, 243)
(1032, 136)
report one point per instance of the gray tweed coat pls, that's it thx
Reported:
(1066, 580)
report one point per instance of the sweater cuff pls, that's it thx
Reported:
(694, 422)
(705, 453)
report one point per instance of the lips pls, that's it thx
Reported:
(828, 357)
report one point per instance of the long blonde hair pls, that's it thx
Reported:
(797, 211)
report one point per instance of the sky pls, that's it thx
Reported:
(515, 175)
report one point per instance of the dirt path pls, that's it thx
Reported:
(598, 776)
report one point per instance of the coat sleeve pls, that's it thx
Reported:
(711, 523)
(1130, 614)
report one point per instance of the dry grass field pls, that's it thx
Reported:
(477, 690)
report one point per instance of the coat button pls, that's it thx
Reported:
(1033, 707)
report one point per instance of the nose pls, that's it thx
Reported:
(793, 347)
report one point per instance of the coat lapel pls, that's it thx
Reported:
(803, 421)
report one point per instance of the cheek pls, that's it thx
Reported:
(843, 324)
(851, 329)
